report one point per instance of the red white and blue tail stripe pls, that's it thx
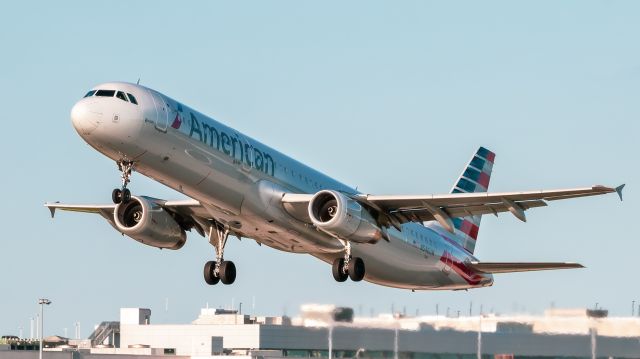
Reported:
(475, 178)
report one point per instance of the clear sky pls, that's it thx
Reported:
(392, 97)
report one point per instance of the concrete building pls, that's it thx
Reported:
(320, 329)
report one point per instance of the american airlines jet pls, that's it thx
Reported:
(238, 186)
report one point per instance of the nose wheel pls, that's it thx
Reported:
(219, 270)
(120, 195)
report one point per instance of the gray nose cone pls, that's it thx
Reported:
(85, 117)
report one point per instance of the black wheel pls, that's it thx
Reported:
(227, 272)
(336, 269)
(209, 275)
(356, 269)
(116, 196)
(126, 195)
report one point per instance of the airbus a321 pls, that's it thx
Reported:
(238, 186)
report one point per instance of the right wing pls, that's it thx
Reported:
(425, 208)
(400, 209)
(512, 267)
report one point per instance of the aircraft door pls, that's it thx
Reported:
(162, 112)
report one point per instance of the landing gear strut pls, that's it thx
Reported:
(123, 194)
(219, 270)
(348, 266)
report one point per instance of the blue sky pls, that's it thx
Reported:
(390, 97)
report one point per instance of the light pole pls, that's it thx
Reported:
(330, 340)
(42, 302)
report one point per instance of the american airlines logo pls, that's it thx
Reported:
(231, 145)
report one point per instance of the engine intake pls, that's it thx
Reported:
(147, 222)
(333, 212)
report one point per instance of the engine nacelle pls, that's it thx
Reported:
(148, 223)
(333, 212)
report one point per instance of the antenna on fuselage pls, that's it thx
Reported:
(138, 82)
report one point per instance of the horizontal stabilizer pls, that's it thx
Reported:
(510, 267)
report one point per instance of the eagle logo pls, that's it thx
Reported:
(177, 122)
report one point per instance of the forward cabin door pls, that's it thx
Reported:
(162, 112)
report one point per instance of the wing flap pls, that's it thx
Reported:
(421, 215)
(512, 267)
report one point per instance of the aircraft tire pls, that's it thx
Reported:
(227, 272)
(116, 195)
(126, 195)
(356, 269)
(336, 269)
(209, 275)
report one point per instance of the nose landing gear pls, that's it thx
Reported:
(219, 270)
(120, 195)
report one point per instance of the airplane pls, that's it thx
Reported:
(238, 186)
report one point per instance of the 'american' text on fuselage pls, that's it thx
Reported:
(231, 145)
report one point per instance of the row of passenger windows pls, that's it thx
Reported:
(110, 93)
(302, 177)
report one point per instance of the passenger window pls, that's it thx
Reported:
(90, 93)
(105, 93)
(132, 99)
(121, 96)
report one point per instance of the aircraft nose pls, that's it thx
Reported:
(85, 116)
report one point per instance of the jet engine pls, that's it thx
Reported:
(147, 222)
(339, 215)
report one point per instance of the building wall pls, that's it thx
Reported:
(445, 342)
(308, 338)
(548, 324)
(190, 339)
(197, 340)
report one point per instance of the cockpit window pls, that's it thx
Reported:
(90, 93)
(105, 93)
(121, 96)
(132, 99)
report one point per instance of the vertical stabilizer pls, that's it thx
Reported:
(474, 178)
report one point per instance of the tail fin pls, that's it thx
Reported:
(477, 174)
(475, 178)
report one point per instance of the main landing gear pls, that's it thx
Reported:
(120, 195)
(219, 270)
(352, 267)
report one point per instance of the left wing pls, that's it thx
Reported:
(402, 209)
(189, 209)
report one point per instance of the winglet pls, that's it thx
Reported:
(52, 209)
(619, 190)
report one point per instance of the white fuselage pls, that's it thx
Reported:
(240, 182)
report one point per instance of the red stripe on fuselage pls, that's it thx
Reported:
(461, 269)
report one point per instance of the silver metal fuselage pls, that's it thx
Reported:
(240, 181)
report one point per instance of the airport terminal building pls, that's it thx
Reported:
(321, 330)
